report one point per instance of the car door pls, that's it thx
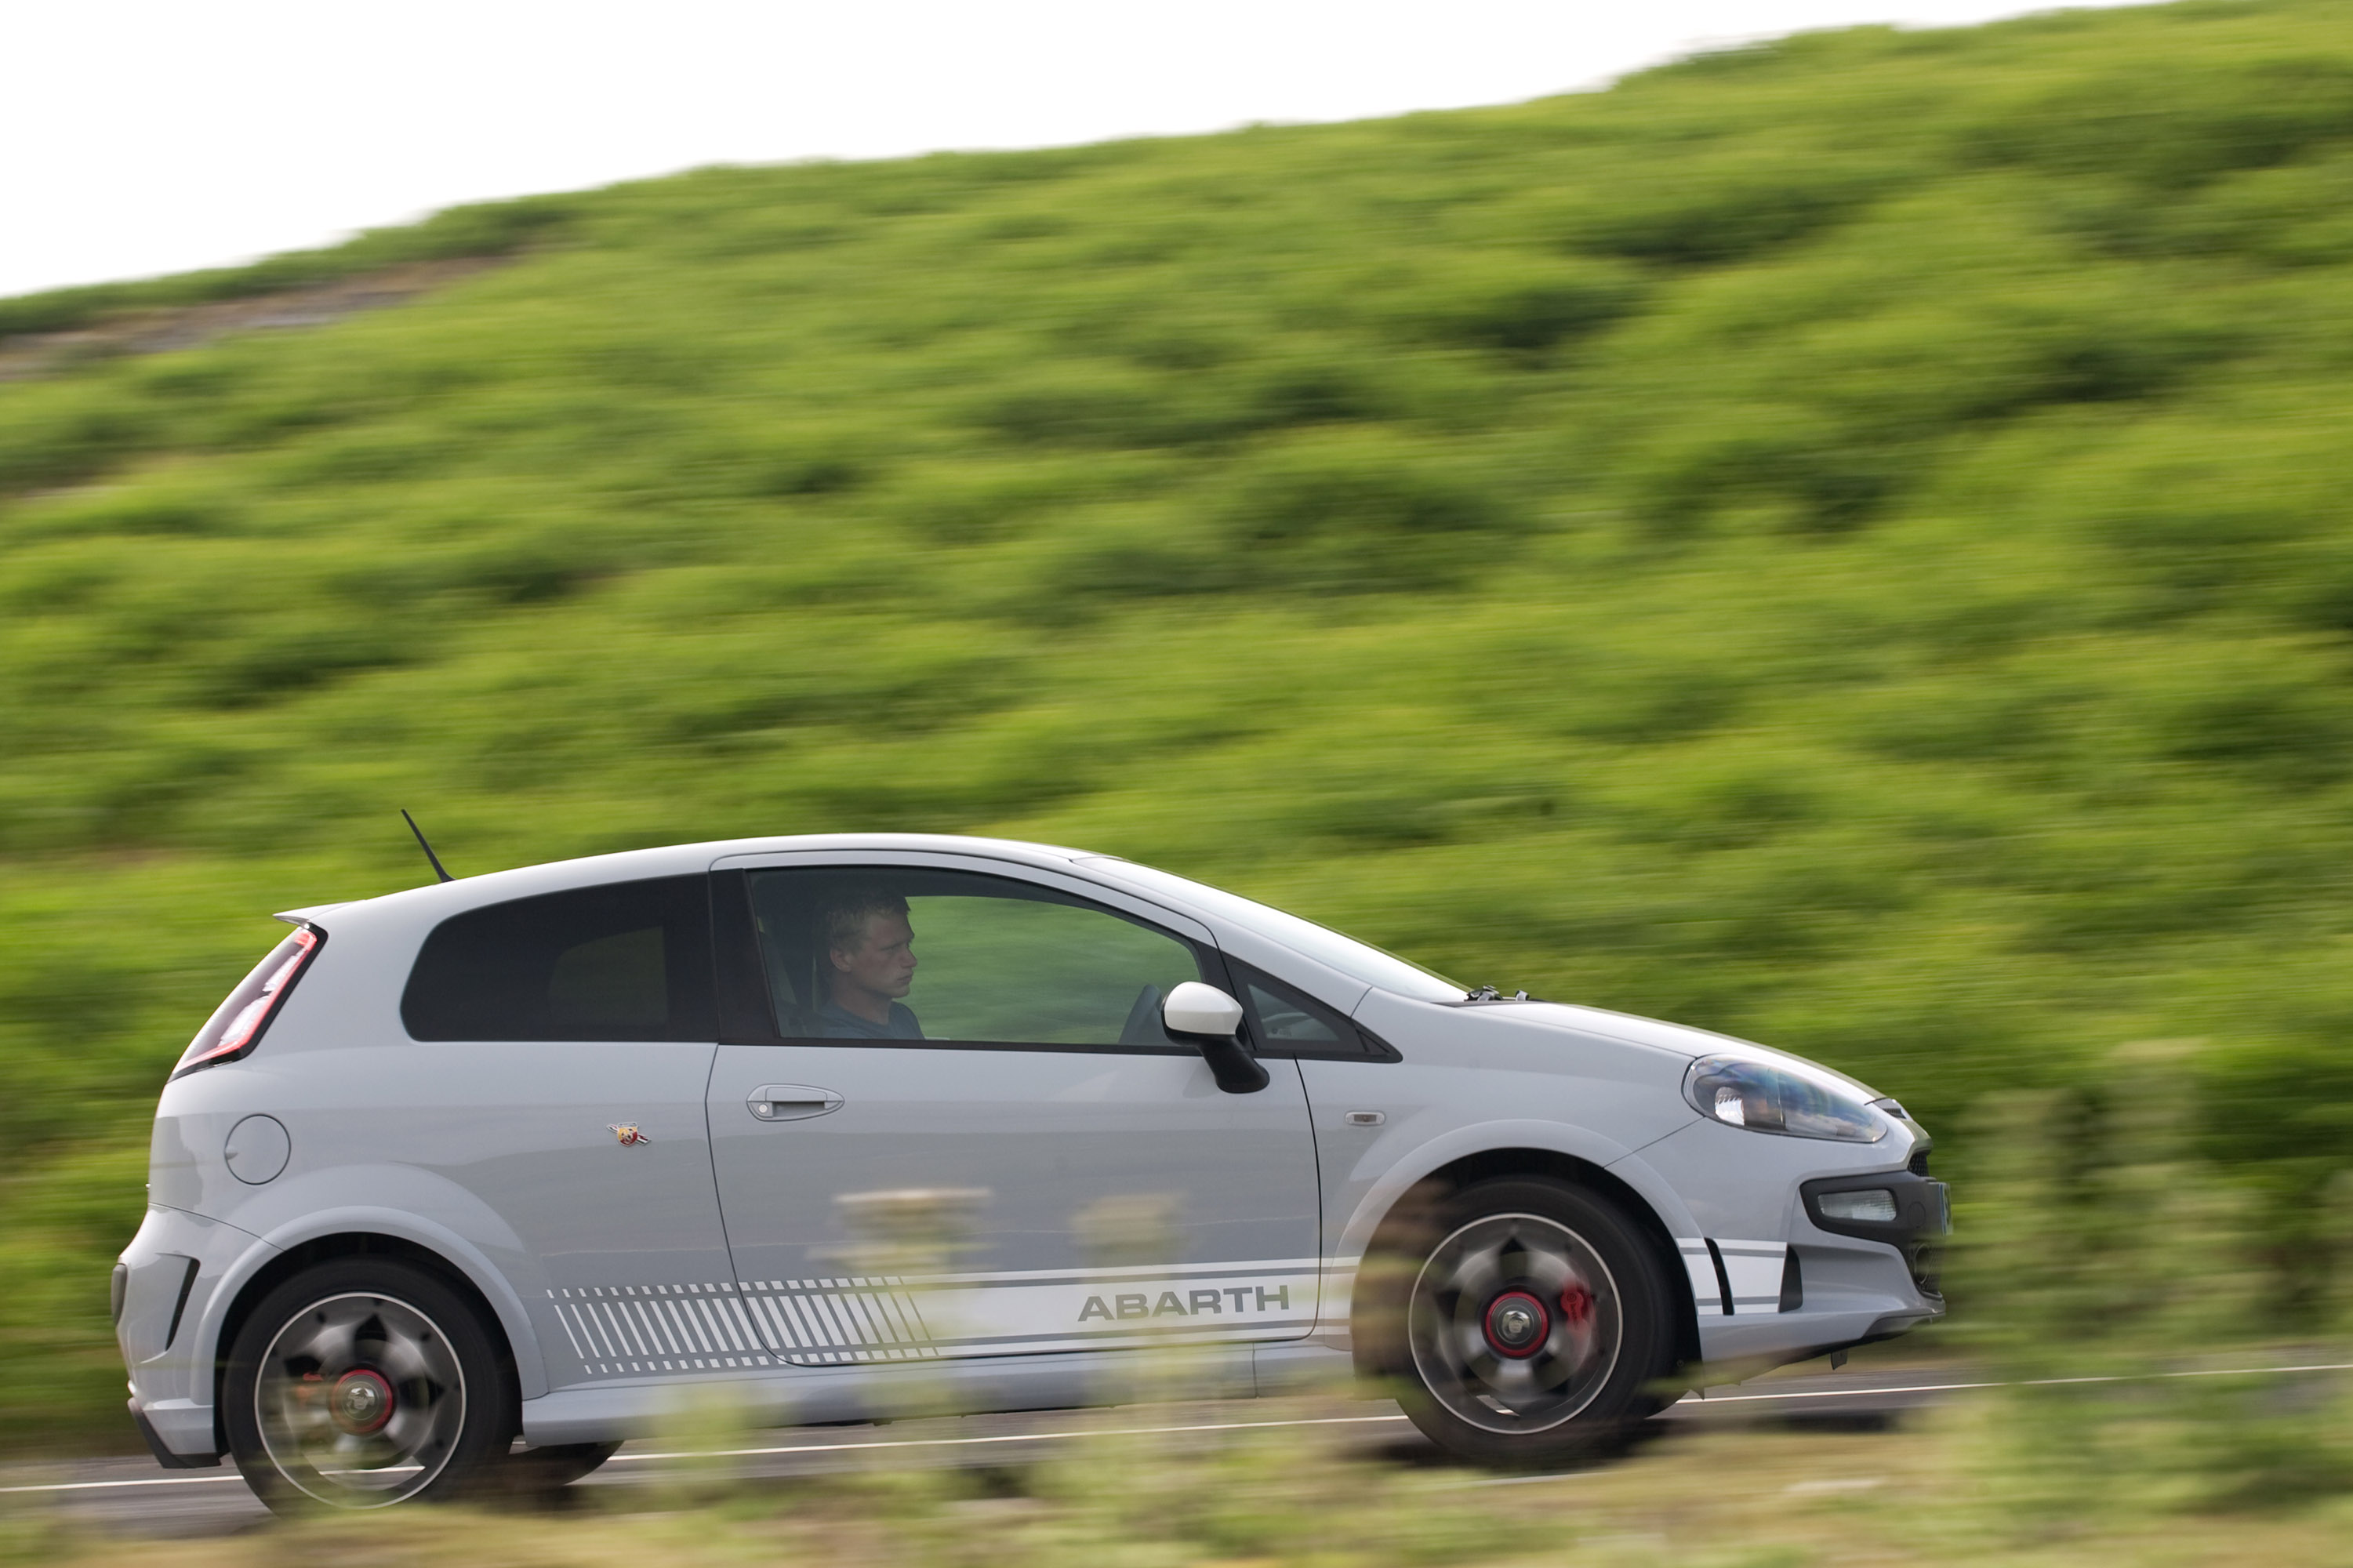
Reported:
(1007, 1153)
(565, 1051)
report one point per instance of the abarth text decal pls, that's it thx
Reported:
(623, 1330)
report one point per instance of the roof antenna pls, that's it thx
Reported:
(427, 847)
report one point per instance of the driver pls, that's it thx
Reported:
(869, 962)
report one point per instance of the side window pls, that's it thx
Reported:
(628, 960)
(903, 953)
(1287, 1023)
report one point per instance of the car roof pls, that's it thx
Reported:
(681, 859)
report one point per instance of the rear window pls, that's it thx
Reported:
(628, 960)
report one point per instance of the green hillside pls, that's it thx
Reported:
(1844, 542)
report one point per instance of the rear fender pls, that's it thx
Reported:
(463, 1255)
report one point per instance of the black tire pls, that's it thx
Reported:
(363, 1382)
(1520, 1321)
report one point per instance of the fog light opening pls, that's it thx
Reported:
(1875, 1206)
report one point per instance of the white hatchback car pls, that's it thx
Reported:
(466, 1184)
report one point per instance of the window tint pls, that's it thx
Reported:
(1287, 1020)
(905, 954)
(629, 960)
(1291, 1023)
(1358, 960)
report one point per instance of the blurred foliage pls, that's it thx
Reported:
(2119, 1294)
(1712, 1493)
(1839, 541)
(495, 228)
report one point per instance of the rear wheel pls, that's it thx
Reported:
(364, 1382)
(1523, 1320)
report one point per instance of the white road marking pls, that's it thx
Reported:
(1526, 1480)
(802, 1448)
(1252, 1425)
(2021, 1382)
(1005, 1437)
(160, 1481)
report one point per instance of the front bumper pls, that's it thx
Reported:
(1921, 1214)
(1772, 1277)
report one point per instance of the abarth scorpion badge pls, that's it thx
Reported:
(627, 1131)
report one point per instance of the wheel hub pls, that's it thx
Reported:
(361, 1402)
(1517, 1324)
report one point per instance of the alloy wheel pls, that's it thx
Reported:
(1514, 1324)
(360, 1400)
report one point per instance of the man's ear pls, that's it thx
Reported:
(833, 956)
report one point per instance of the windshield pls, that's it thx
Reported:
(1350, 957)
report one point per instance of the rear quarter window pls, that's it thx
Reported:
(627, 961)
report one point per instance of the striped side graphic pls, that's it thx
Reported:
(826, 1323)
(1699, 1263)
(624, 1330)
(1733, 1279)
(1754, 1269)
(632, 1330)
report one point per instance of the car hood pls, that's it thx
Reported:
(1632, 1028)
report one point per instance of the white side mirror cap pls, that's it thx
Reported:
(1193, 1008)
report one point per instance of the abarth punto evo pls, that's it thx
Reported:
(466, 1184)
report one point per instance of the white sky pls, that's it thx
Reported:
(147, 136)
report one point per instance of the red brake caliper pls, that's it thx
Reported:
(1576, 1306)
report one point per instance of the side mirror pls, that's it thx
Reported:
(1193, 1008)
(1212, 1020)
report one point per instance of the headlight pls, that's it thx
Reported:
(1781, 1097)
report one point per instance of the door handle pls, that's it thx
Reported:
(790, 1102)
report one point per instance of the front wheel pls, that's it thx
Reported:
(1525, 1321)
(363, 1382)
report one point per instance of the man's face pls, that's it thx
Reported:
(882, 962)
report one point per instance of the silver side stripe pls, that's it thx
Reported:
(1750, 1282)
(1700, 1265)
(714, 1325)
(635, 1330)
(1754, 1269)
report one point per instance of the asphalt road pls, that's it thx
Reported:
(133, 1497)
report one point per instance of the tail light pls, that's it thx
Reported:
(235, 1025)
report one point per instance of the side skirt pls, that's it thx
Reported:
(798, 1396)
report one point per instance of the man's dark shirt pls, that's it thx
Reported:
(840, 1024)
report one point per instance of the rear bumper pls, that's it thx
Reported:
(191, 1423)
(170, 1276)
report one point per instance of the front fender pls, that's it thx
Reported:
(1483, 1137)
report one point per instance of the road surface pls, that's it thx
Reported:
(134, 1497)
